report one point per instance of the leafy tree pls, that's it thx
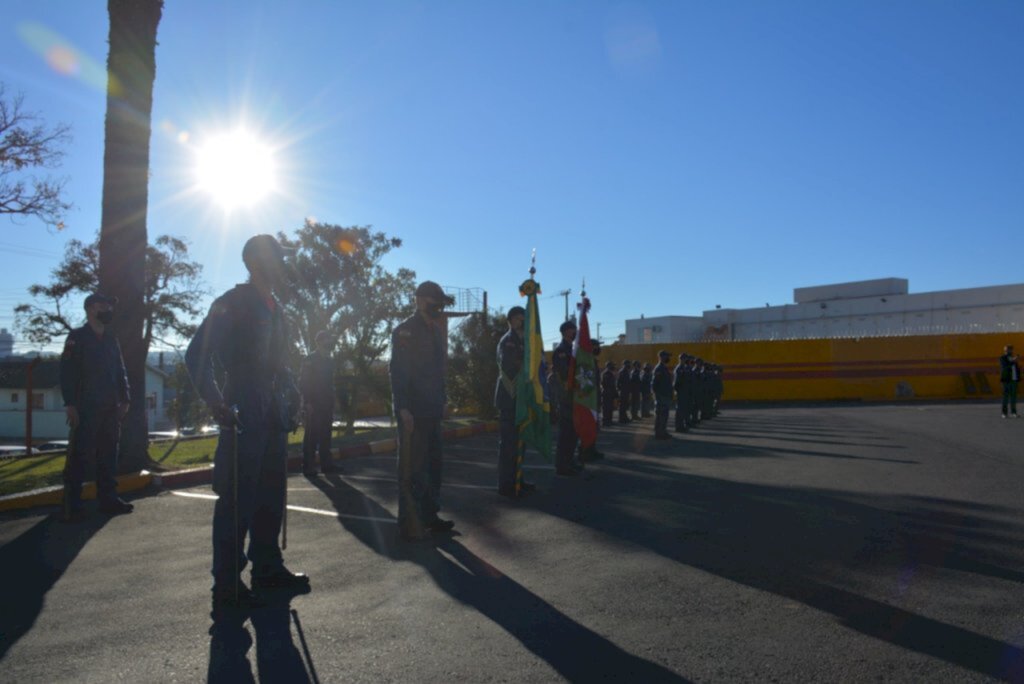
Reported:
(131, 70)
(341, 286)
(473, 363)
(186, 408)
(171, 298)
(25, 146)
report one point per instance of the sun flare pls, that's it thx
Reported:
(236, 169)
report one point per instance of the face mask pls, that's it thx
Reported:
(435, 310)
(105, 317)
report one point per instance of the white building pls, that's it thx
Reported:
(867, 308)
(48, 417)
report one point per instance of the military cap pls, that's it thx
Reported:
(516, 311)
(610, 364)
(566, 326)
(431, 290)
(664, 354)
(265, 249)
(97, 298)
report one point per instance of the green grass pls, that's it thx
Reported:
(24, 474)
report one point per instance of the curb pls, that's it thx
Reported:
(52, 496)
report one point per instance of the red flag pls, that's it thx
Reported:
(583, 381)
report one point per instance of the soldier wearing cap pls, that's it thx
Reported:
(316, 381)
(511, 353)
(635, 390)
(681, 384)
(94, 387)
(608, 393)
(418, 362)
(562, 399)
(646, 396)
(662, 386)
(622, 389)
(245, 334)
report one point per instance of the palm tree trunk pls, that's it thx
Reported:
(131, 70)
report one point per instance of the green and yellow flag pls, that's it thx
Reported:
(533, 408)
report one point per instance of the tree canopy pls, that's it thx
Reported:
(28, 148)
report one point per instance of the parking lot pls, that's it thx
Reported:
(842, 543)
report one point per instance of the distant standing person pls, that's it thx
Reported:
(662, 386)
(316, 382)
(608, 394)
(95, 392)
(1009, 375)
(562, 397)
(511, 354)
(418, 349)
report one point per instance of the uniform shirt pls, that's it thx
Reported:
(680, 383)
(635, 382)
(1009, 371)
(511, 352)
(622, 381)
(646, 378)
(92, 370)
(561, 360)
(661, 382)
(316, 380)
(245, 334)
(608, 384)
(417, 368)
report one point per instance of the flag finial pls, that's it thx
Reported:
(533, 262)
(583, 288)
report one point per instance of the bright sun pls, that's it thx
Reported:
(236, 169)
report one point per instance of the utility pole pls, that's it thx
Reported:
(599, 331)
(566, 293)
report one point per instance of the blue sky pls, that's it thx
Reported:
(677, 155)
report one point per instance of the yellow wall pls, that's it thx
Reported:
(875, 368)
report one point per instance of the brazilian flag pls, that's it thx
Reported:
(533, 408)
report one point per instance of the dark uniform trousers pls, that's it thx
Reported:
(567, 437)
(508, 444)
(419, 472)
(607, 408)
(95, 439)
(258, 492)
(661, 409)
(318, 438)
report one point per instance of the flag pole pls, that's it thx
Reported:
(520, 443)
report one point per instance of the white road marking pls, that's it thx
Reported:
(300, 509)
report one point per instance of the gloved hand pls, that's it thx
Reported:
(226, 416)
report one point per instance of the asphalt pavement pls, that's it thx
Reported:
(839, 543)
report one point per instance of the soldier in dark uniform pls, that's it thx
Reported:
(245, 334)
(418, 362)
(693, 395)
(622, 388)
(316, 381)
(681, 385)
(635, 390)
(716, 388)
(590, 453)
(511, 354)
(646, 397)
(608, 393)
(561, 360)
(662, 385)
(94, 387)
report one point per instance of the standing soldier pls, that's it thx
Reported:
(681, 385)
(511, 353)
(608, 393)
(94, 387)
(622, 389)
(418, 360)
(245, 334)
(317, 384)
(635, 390)
(561, 395)
(662, 385)
(693, 394)
(1009, 376)
(646, 378)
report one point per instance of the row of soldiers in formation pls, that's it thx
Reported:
(696, 388)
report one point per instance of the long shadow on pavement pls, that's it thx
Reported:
(575, 652)
(32, 563)
(277, 657)
(801, 542)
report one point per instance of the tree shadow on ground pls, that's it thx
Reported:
(32, 563)
(575, 652)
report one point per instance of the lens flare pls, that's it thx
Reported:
(236, 169)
